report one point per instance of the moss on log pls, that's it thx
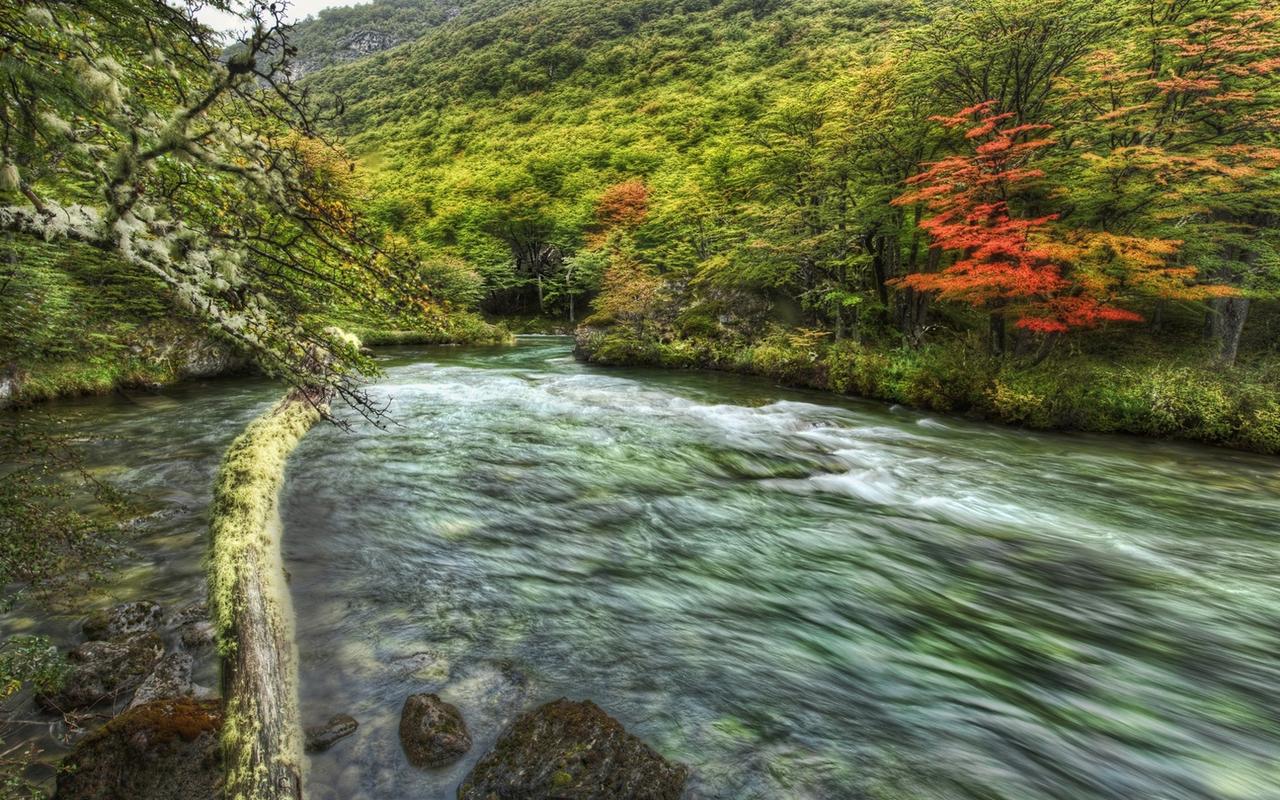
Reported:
(251, 610)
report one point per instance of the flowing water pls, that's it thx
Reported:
(798, 596)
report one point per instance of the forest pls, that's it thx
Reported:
(601, 323)
(1045, 213)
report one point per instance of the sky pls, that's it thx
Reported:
(298, 9)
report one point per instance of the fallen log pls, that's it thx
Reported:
(251, 610)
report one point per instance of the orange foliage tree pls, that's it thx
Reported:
(623, 204)
(1008, 261)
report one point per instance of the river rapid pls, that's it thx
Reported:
(800, 596)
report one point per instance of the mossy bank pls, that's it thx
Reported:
(1157, 395)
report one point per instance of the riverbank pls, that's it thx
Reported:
(163, 353)
(1148, 395)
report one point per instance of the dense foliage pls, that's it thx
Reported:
(893, 173)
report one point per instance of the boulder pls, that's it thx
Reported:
(123, 620)
(196, 635)
(321, 737)
(170, 679)
(192, 626)
(432, 732)
(102, 670)
(163, 750)
(196, 612)
(572, 751)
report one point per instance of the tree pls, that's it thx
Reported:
(1181, 135)
(1007, 260)
(123, 129)
(623, 204)
(1011, 52)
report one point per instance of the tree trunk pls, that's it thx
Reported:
(997, 333)
(1227, 320)
(250, 605)
(874, 245)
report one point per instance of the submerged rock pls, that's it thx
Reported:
(123, 620)
(432, 731)
(102, 670)
(196, 612)
(170, 679)
(163, 750)
(321, 737)
(425, 665)
(572, 751)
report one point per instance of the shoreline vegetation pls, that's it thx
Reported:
(152, 355)
(1156, 395)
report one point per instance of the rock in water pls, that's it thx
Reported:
(321, 737)
(572, 751)
(432, 732)
(123, 620)
(102, 670)
(164, 750)
(171, 679)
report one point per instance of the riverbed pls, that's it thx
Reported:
(798, 595)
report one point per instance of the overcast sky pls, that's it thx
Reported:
(298, 9)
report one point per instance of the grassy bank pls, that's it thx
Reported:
(1148, 394)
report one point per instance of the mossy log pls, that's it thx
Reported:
(251, 610)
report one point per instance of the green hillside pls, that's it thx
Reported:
(498, 136)
(718, 176)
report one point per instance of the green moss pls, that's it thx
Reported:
(245, 532)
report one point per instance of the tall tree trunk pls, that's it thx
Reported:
(252, 613)
(875, 246)
(997, 333)
(1226, 325)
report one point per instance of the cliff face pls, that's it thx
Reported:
(343, 35)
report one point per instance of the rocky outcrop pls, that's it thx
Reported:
(163, 750)
(192, 626)
(363, 43)
(123, 620)
(319, 738)
(102, 670)
(170, 679)
(432, 732)
(572, 751)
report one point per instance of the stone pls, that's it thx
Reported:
(170, 679)
(162, 750)
(102, 670)
(127, 618)
(196, 612)
(321, 737)
(570, 750)
(196, 635)
(432, 731)
(425, 665)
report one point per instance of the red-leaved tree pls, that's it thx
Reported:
(1008, 261)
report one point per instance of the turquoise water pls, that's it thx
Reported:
(798, 596)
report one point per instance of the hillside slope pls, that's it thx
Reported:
(717, 180)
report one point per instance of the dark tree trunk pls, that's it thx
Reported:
(997, 333)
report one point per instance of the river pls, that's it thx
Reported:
(798, 595)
